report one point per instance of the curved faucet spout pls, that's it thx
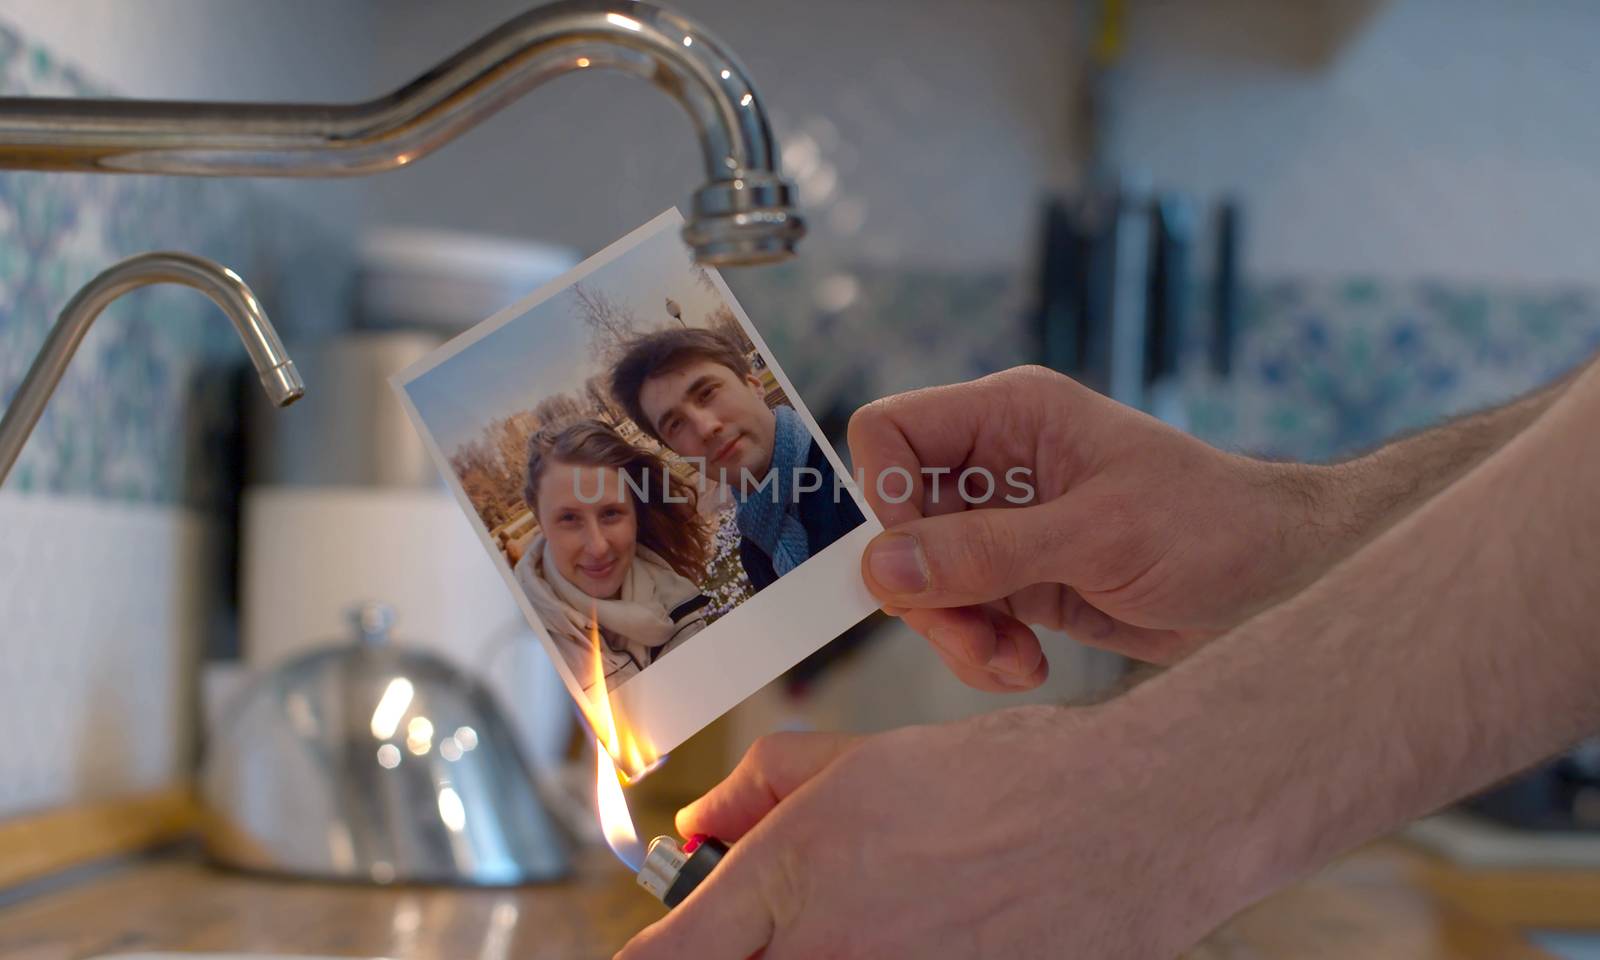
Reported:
(745, 212)
(278, 376)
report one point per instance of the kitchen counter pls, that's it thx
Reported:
(1387, 901)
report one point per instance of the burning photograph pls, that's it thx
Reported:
(632, 457)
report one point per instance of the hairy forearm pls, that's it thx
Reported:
(1388, 483)
(1325, 513)
(1369, 493)
(1456, 648)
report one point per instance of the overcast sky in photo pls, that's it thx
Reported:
(546, 351)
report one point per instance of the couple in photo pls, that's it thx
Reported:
(620, 538)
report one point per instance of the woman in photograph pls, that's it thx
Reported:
(619, 542)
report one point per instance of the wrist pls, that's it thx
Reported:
(1144, 798)
(1204, 817)
(1316, 520)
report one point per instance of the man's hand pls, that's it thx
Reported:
(1018, 834)
(1138, 538)
(1455, 648)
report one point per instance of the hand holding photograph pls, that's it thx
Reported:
(665, 510)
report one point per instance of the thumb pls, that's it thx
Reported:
(774, 767)
(976, 556)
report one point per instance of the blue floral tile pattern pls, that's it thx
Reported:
(1322, 368)
(1325, 369)
(125, 423)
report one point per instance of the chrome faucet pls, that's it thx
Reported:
(744, 213)
(278, 376)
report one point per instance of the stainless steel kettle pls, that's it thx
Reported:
(369, 762)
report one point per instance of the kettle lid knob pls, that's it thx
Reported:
(372, 620)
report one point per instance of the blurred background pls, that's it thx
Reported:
(1294, 229)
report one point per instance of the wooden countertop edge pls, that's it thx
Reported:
(36, 845)
(1368, 906)
(1371, 900)
(1521, 897)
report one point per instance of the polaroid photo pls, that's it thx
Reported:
(659, 501)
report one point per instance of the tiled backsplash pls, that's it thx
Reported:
(1322, 368)
(122, 421)
(1325, 368)
(106, 559)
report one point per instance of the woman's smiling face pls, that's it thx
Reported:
(593, 543)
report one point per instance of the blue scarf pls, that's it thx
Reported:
(770, 516)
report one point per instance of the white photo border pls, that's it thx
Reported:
(749, 646)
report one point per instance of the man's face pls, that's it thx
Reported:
(704, 409)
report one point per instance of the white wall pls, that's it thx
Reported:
(98, 647)
(941, 120)
(1451, 138)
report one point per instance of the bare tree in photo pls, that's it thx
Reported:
(702, 276)
(509, 437)
(491, 467)
(478, 467)
(557, 409)
(601, 405)
(610, 324)
(723, 321)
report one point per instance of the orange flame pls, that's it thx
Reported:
(632, 753)
(617, 747)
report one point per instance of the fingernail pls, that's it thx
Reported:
(894, 611)
(1015, 681)
(897, 564)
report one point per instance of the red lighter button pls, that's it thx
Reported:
(694, 842)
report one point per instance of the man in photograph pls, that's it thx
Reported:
(693, 390)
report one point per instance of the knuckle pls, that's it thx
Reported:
(875, 430)
(770, 753)
(1033, 381)
(988, 553)
(765, 750)
(1032, 376)
(866, 419)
